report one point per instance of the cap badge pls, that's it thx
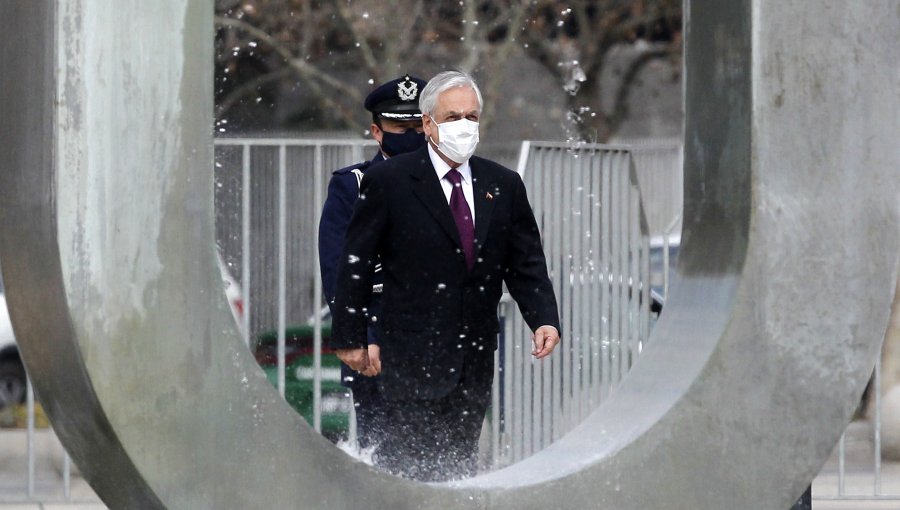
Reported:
(407, 90)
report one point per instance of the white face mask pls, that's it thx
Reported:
(458, 139)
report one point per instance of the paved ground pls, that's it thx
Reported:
(49, 487)
(49, 492)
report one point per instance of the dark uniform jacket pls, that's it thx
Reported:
(343, 191)
(435, 312)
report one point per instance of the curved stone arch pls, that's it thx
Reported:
(107, 187)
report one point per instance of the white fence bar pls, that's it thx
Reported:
(605, 277)
(67, 476)
(29, 398)
(317, 298)
(245, 242)
(282, 264)
(877, 425)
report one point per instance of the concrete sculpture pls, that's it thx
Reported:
(786, 275)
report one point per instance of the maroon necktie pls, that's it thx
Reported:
(462, 215)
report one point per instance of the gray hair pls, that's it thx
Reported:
(442, 82)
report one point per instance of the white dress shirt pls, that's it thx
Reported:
(441, 167)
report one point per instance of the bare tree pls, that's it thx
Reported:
(323, 46)
(573, 39)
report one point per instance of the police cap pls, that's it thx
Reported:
(397, 99)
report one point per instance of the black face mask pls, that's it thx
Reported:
(398, 143)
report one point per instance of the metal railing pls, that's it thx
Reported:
(856, 470)
(270, 170)
(660, 178)
(588, 207)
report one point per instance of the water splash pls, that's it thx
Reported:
(575, 76)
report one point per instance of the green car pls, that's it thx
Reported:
(298, 378)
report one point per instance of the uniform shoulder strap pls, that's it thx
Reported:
(359, 175)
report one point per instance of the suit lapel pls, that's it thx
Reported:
(428, 190)
(483, 190)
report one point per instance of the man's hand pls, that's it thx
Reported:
(546, 338)
(365, 361)
(356, 359)
(374, 368)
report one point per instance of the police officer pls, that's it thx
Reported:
(397, 127)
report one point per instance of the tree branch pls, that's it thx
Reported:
(303, 68)
(620, 106)
(494, 79)
(365, 49)
(253, 85)
(473, 55)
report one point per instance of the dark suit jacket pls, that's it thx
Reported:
(435, 312)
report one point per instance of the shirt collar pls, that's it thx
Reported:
(441, 167)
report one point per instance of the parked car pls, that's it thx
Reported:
(299, 373)
(12, 371)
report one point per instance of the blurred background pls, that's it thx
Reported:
(595, 71)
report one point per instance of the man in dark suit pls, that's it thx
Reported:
(397, 127)
(449, 229)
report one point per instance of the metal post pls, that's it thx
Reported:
(67, 476)
(29, 402)
(282, 261)
(877, 446)
(245, 240)
(605, 271)
(317, 293)
(596, 275)
(841, 454)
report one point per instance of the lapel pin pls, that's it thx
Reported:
(489, 196)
